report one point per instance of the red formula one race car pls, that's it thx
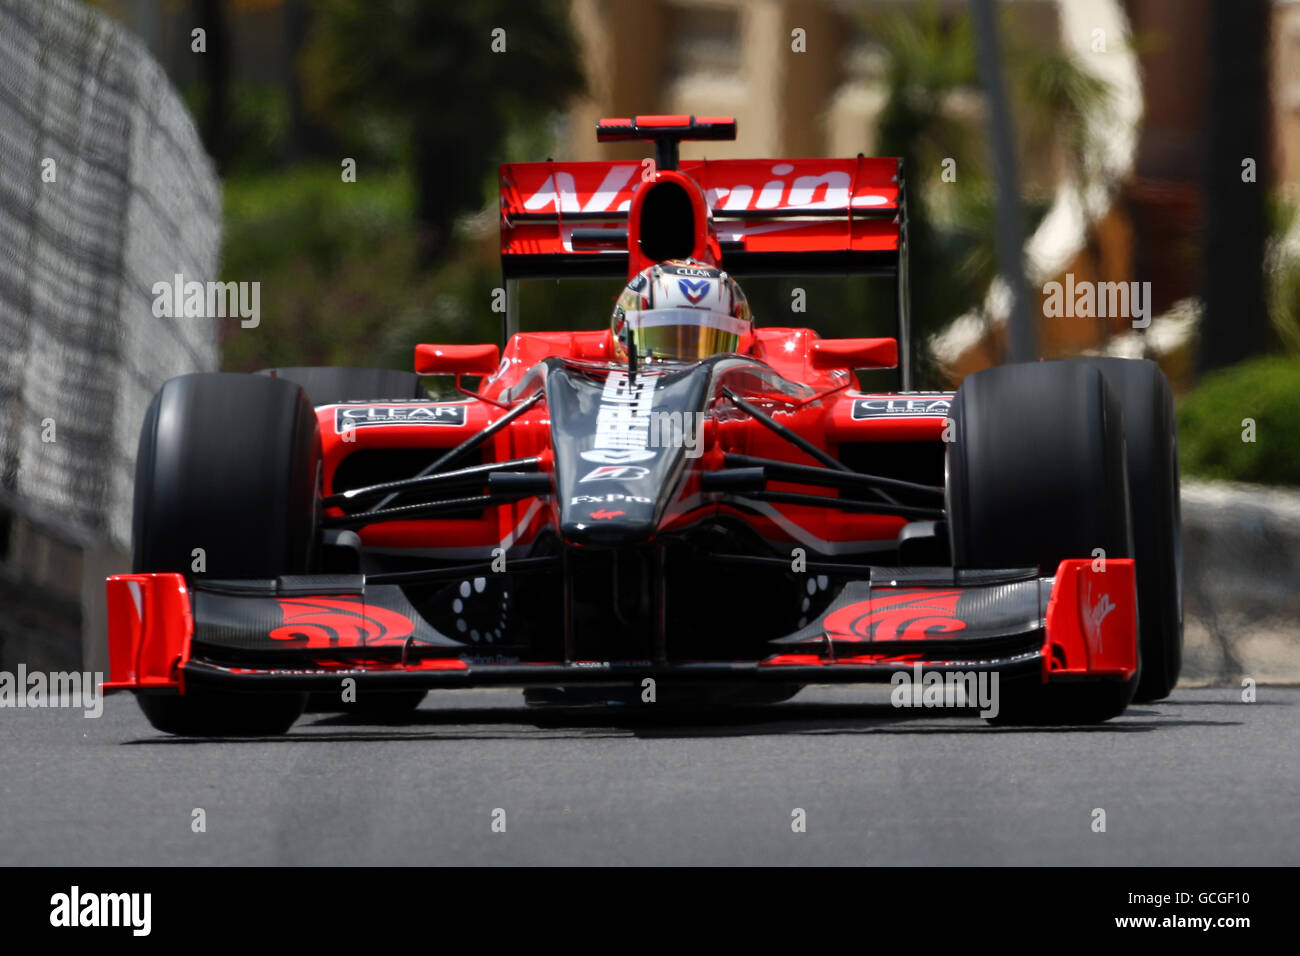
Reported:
(680, 506)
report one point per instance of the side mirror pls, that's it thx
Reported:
(456, 359)
(854, 353)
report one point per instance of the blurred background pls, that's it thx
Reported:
(1151, 141)
(1132, 121)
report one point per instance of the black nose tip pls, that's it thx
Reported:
(606, 526)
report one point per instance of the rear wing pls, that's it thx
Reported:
(770, 217)
(751, 217)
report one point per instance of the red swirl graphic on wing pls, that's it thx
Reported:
(899, 616)
(326, 622)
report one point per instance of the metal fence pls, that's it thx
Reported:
(105, 190)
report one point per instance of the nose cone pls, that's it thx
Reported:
(609, 525)
(620, 443)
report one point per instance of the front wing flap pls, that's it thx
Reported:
(306, 633)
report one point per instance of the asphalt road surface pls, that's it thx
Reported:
(1199, 779)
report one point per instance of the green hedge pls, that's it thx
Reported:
(341, 282)
(1210, 429)
(274, 217)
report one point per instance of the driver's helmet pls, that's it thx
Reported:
(680, 309)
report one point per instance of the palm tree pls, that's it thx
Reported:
(1052, 95)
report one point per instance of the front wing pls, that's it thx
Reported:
(307, 633)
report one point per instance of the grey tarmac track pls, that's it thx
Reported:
(1199, 779)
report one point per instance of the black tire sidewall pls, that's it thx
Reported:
(1036, 472)
(1151, 437)
(230, 464)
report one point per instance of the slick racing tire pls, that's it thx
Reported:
(217, 714)
(1036, 474)
(327, 386)
(1151, 439)
(226, 486)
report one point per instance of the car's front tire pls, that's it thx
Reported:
(1036, 474)
(1151, 439)
(226, 487)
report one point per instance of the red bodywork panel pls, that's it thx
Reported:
(1092, 620)
(149, 628)
(824, 414)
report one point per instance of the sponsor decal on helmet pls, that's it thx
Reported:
(693, 290)
(363, 416)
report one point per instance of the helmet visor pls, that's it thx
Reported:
(684, 334)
